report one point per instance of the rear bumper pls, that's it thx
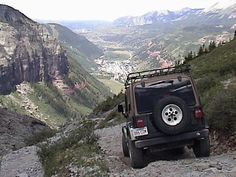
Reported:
(172, 139)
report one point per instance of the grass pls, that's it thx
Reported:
(107, 109)
(12, 102)
(40, 137)
(221, 111)
(112, 119)
(78, 149)
(115, 86)
(211, 71)
(50, 104)
(109, 103)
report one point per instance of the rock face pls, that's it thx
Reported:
(16, 129)
(27, 51)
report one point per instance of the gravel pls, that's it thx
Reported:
(165, 163)
(22, 163)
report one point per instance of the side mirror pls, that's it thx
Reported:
(120, 108)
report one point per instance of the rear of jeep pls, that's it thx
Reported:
(163, 111)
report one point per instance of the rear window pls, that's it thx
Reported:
(147, 96)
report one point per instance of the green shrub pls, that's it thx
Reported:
(39, 137)
(79, 148)
(112, 119)
(221, 111)
(109, 103)
(206, 83)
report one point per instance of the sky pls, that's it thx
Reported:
(58, 10)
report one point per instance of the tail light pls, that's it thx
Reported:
(139, 123)
(198, 113)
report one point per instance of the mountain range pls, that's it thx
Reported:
(219, 12)
(160, 38)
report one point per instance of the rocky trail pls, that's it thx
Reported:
(22, 163)
(26, 163)
(162, 164)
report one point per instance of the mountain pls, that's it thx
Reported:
(82, 49)
(81, 26)
(218, 12)
(74, 40)
(159, 39)
(28, 52)
(156, 17)
(220, 5)
(39, 77)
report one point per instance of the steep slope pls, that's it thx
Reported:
(216, 82)
(77, 44)
(17, 129)
(28, 52)
(47, 81)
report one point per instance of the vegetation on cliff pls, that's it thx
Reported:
(215, 73)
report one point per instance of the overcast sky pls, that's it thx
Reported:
(97, 9)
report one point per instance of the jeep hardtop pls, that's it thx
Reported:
(163, 111)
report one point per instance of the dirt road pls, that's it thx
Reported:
(22, 163)
(165, 163)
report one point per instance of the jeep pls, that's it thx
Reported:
(163, 111)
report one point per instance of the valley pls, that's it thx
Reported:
(162, 39)
(60, 87)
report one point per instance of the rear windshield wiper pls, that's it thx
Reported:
(163, 82)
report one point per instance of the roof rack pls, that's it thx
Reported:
(137, 76)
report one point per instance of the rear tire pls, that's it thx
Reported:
(136, 155)
(125, 146)
(201, 148)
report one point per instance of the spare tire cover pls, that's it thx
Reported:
(171, 115)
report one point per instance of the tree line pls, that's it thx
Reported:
(203, 49)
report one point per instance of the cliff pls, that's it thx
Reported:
(27, 51)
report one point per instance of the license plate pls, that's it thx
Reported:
(139, 131)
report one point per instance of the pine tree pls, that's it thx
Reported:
(200, 51)
(190, 55)
(212, 46)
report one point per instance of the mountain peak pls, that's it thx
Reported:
(10, 15)
(220, 5)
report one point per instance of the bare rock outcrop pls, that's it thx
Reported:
(27, 51)
(16, 129)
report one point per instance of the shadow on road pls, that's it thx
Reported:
(166, 155)
(169, 155)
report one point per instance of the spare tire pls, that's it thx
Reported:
(171, 115)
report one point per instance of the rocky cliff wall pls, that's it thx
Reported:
(27, 51)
